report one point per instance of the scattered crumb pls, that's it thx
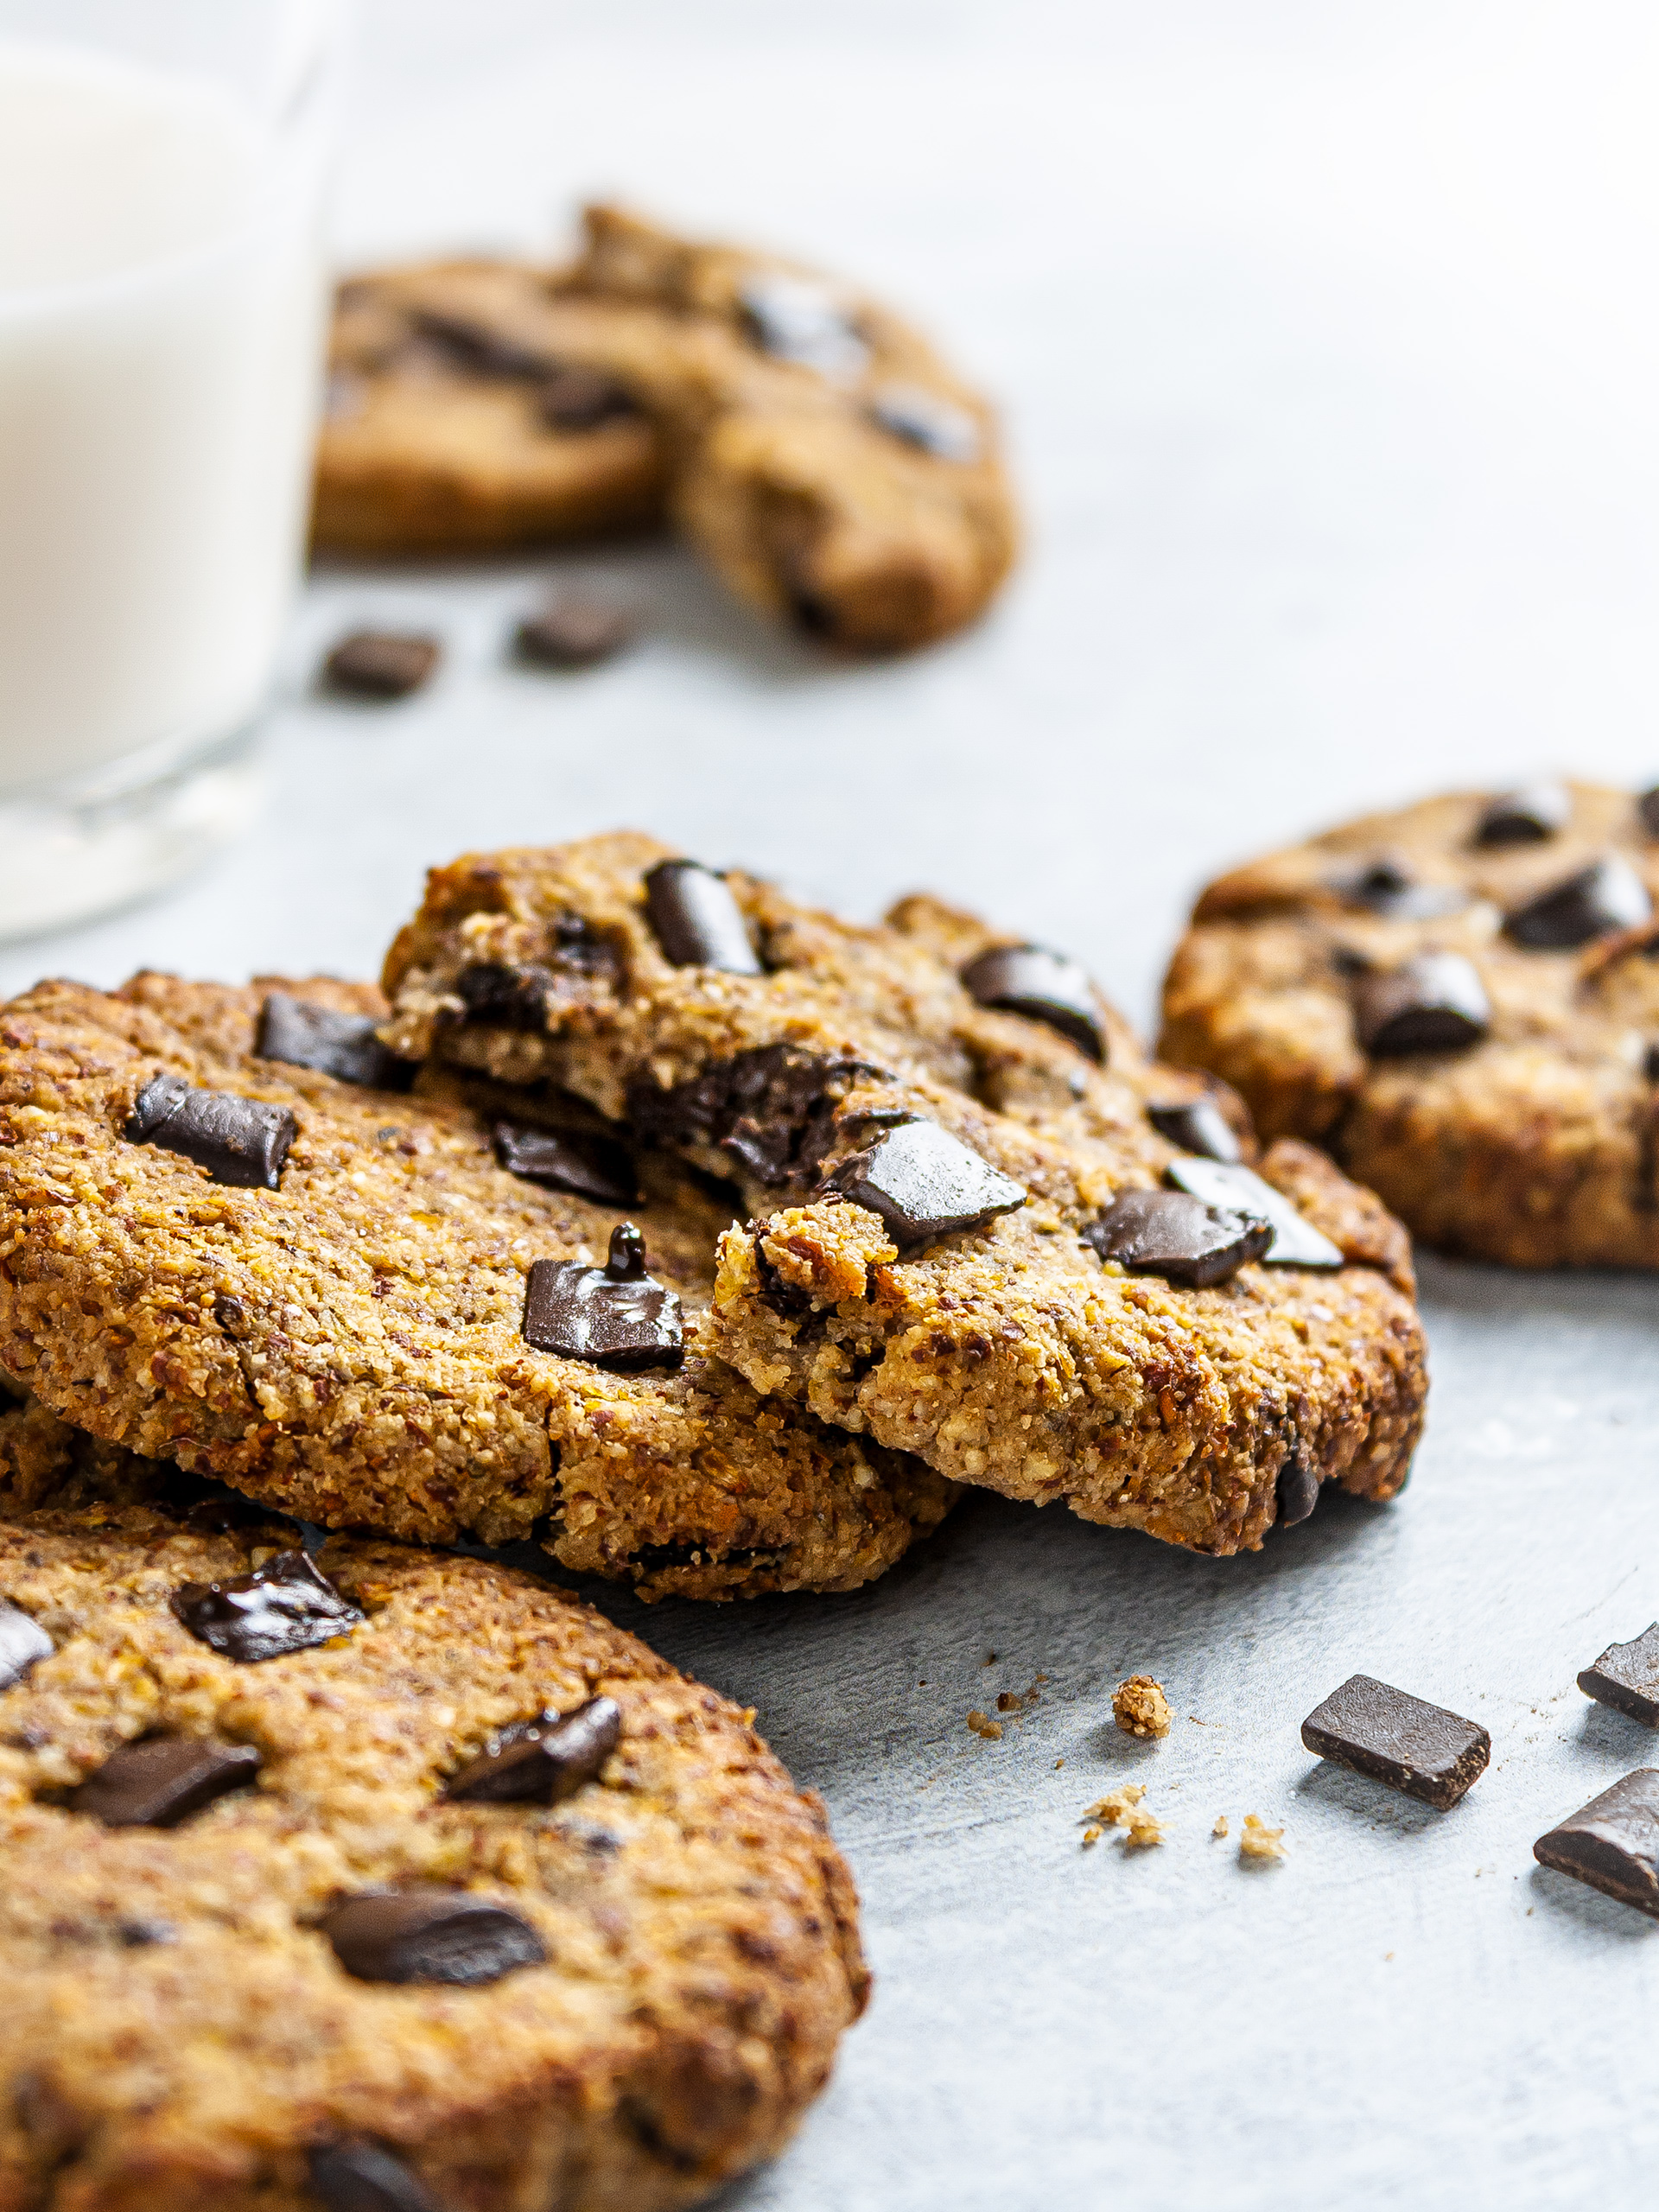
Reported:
(1007, 1701)
(1220, 1828)
(982, 1725)
(1257, 1840)
(990, 1659)
(1196, 1723)
(1114, 1810)
(1144, 1831)
(1092, 1835)
(1386, 1956)
(1140, 1707)
(1529, 1911)
(1058, 1764)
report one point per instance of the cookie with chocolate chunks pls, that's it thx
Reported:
(348, 1347)
(922, 1173)
(1476, 1044)
(256, 1937)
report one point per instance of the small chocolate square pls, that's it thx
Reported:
(1422, 1749)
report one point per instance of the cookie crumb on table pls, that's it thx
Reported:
(982, 1725)
(1140, 1707)
(1257, 1840)
(1220, 1828)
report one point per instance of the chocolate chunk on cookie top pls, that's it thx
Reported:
(1607, 895)
(542, 1760)
(1612, 1843)
(23, 1643)
(287, 1605)
(1197, 1125)
(1626, 1676)
(1435, 1002)
(241, 1142)
(1525, 816)
(925, 1185)
(617, 1316)
(162, 1780)
(698, 922)
(1295, 1242)
(1171, 1234)
(1394, 1738)
(366, 2177)
(430, 1935)
(1044, 986)
(344, 1046)
(588, 1165)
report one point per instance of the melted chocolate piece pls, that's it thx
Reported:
(1607, 895)
(1197, 1125)
(572, 633)
(381, 664)
(1434, 1003)
(23, 1643)
(341, 1044)
(424, 1933)
(1526, 817)
(695, 920)
(359, 2176)
(1171, 1234)
(158, 1784)
(1431, 1754)
(572, 398)
(241, 1142)
(1612, 1843)
(1296, 1492)
(795, 319)
(587, 1167)
(920, 418)
(544, 1761)
(616, 1316)
(287, 1605)
(1042, 986)
(1626, 1676)
(1384, 887)
(925, 1185)
(771, 1111)
(1296, 1242)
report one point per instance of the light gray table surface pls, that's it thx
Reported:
(1327, 336)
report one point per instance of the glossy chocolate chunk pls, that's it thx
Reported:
(771, 1111)
(23, 1643)
(695, 920)
(1042, 986)
(343, 1046)
(287, 1605)
(1296, 1242)
(241, 1142)
(1607, 895)
(796, 318)
(925, 1185)
(357, 2177)
(587, 1167)
(1526, 817)
(1171, 1233)
(1385, 886)
(381, 664)
(1394, 1738)
(1613, 1842)
(572, 398)
(1648, 807)
(544, 1761)
(160, 1783)
(572, 633)
(1296, 1492)
(1434, 1003)
(1197, 1125)
(1627, 1676)
(430, 1935)
(616, 1316)
(922, 419)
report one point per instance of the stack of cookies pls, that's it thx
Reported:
(713, 1244)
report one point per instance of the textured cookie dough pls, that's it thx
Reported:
(1537, 1143)
(180, 2034)
(348, 1345)
(1008, 1356)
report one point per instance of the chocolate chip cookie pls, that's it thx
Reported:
(982, 1228)
(1460, 1001)
(230, 1236)
(382, 1879)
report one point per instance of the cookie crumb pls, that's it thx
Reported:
(1257, 1840)
(982, 1725)
(1115, 1808)
(1220, 1828)
(1092, 1835)
(1140, 1707)
(1144, 1831)
(1007, 1701)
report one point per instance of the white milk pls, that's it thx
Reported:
(161, 301)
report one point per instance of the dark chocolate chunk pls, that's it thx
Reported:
(242, 1141)
(509, 998)
(1650, 1063)
(1613, 1842)
(695, 920)
(341, 1044)
(140, 1935)
(795, 319)
(588, 1166)
(771, 1111)
(1171, 1233)
(925, 1185)
(1433, 1755)
(920, 418)
(158, 1784)
(1296, 1492)
(359, 2176)
(572, 633)
(1435, 1003)
(381, 664)
(23, 1643)
(1627, 1676)
(1197, 1125)
(1648, 807)
(542, 1760)
(1296, 1242)
(480, 350)
(1607, 895)
(572, 398)
(616, 1316)
(286, 1605)
(424, 1933)
(1388, 887)
(1042, 986)
(1526, 817)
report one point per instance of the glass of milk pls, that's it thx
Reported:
(161, 328)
